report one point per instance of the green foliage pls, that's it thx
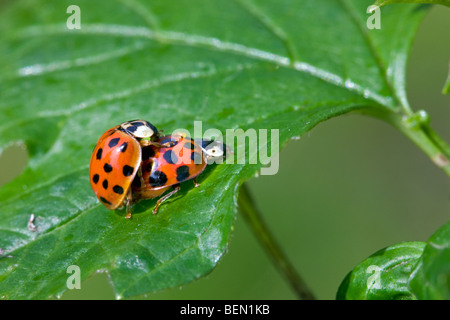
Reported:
(285, 65)
(385, 2)
(431, 277)
(446, 89)
(384, 275)
(409, 270)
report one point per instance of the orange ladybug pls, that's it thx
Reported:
(165, 167)
(116, 161)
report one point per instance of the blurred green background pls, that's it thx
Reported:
(348, 188)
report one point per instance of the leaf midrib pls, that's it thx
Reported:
(215, 44)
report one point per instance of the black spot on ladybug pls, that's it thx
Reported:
(99, 153)
(118, 189)
(196, 157)
(137, 182)
(170, 157)
(147, 153)
(104, 200)
(95, 178)
(132, 128)
(113, 142)
(105, 184)
(107, 167)
(182, 173)
(157, 179)
(127, 170)
(123, 147)
(189, 145)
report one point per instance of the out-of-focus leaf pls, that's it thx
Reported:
(446, 89)
(385, 2)
(384, 275)
(431, 277)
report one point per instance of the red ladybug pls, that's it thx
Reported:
(116, 161)
(165, 167)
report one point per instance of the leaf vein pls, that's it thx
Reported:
(265, 20)
(363, 30)
(212, 44)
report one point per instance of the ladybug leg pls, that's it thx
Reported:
(146, 143)
(176, 188)
(196, 184)
(128, 201)
(141, 176)
(169, 144)
(163, 145)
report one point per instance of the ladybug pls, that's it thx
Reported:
(166, 167)
(116, 161)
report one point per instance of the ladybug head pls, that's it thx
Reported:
(140, 129)
(214, 149)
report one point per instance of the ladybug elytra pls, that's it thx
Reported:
(132, 161)
(117, 159)
(167, 167)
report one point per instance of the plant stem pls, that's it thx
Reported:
(438, 140)
(418, 130)
(428, 141)
(262, 233)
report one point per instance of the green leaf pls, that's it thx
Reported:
(431, 277)
(385, 2)
(384, 275)
(409, 270)
(285, 65)
(446, 88)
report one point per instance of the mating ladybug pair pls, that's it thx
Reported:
(132, 161)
